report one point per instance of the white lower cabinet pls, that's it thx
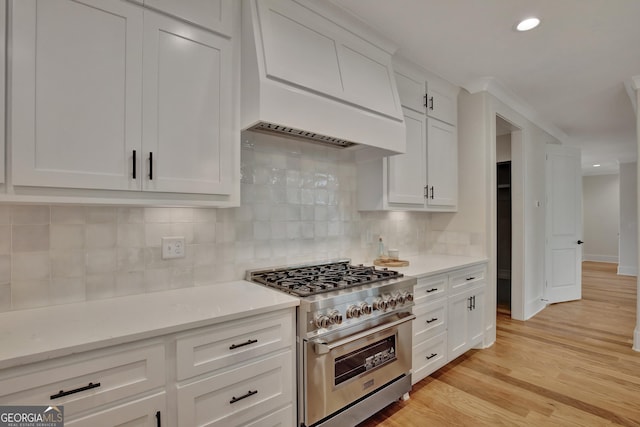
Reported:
(449, 311)
(234, 373)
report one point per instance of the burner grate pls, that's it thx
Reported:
(315, 279)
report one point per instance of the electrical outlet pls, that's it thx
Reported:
(172, 247)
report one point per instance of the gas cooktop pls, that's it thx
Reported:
(307, 280)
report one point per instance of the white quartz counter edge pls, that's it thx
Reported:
(426, 265)
(32, 335)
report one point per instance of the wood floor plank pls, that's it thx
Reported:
(571, 365)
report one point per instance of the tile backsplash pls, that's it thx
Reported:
(298, 205)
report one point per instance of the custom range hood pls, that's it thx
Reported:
(311, 71)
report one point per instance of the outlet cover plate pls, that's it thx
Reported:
(173, 247)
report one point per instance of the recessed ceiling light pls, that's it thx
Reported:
(596, 165)
(528, 24)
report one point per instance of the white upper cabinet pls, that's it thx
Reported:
(425, 178)
(406, 172)
(76, 93)
(441, 102)
(214, 15)
(186, 115)
(442, 164)
(108, 95)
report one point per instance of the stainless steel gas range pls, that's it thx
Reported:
(354, 338)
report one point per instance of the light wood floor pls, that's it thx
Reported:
(571, 365)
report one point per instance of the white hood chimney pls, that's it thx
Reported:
(311, 71)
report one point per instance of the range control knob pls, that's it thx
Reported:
(335, 318)
(392, 301)
(409, 297)
(402, 298)
(353, 311)
(322, 321)
(380, 304)
(365, 308)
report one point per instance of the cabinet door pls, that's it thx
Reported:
(457, 327)
(441, 103)
(406, 172)
(76, 93)
(476, 317)
(211, 14)
(442, 164)
(187, 108)
(147, 412)
(411, 91)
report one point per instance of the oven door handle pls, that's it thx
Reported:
(323, 347)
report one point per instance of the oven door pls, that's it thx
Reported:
(340, 370)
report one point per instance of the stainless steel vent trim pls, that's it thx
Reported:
(298, 133)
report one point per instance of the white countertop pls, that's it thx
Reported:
(424, 265)
(37, 334)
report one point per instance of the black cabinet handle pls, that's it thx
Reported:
(432, 192)
(431, 102)
(432, 356)
(579, 242)
(234, 346)
(244, 396)
(431, 290)
(433, 319)
(63, 393)
(150, 165)
(426, 192)
(158, 419)
(473, 305)
(471, 278)
(470, 307)
(134, 164)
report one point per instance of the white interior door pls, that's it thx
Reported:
(564, 224)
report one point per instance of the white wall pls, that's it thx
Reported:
(628, 242)
(601, 217)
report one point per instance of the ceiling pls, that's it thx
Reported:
(571, 70)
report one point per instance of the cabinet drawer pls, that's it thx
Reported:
(139, 413)
(229, 343)
(99, 377)
(238, 395)
(431, 319)
(281, 418)
(466, 277)
(430, 288)
(429, 356)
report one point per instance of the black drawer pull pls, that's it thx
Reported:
(431, 290)
(158, 419)
(134, 164)
(470, 278)
(244, 396)
(432, 356)
(433, 319)
(77, 390)
(234, 346)
(150, 165)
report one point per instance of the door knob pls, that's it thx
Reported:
(580, 242)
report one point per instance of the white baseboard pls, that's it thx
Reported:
(600, 258)
(627, 271)
(636, 339)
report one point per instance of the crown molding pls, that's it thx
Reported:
(502, 93)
